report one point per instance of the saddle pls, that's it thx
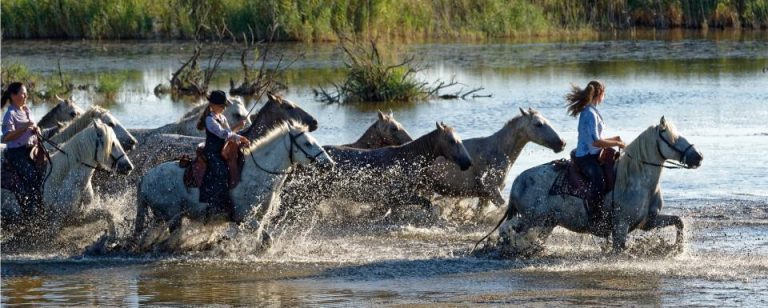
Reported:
(194, 170)
(571, 181)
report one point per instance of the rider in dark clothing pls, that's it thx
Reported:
(20, 135)
(214, 189)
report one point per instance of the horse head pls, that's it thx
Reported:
(109, 155)
(672, 145)
(126, 139)
(236, 112)
(390, 131)
(280, 109)
(539, 130)
(67, 109)
(449, 145)
(305, 150)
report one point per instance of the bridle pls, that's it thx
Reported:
(98, 165)
(292, 143)
(672, 165)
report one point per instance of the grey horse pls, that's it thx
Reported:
(492, 157)
(634, 203)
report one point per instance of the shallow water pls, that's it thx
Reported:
(712, 86)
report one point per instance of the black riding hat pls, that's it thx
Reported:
(218, 97)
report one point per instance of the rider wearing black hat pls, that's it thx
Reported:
(214, 189)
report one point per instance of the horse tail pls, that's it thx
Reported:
(511, 212)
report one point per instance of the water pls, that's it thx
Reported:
(711, 85)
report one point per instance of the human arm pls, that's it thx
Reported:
(12, 131)
(609, 143)
(238, 126)
(221, 131)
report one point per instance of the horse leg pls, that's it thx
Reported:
(525, 237)
(95, 215)
(101, 244)
(619, 236)
(661, 221)
(174, 224)
(142, 210)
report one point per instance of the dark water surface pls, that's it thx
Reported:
(713, 86)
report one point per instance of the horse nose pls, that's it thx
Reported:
(313, 125)
(560, 147)
(465, 164)
(698, 157)
(124, 166)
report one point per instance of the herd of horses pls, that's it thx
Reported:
(385, 166)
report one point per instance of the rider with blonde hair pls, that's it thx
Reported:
(584, 102)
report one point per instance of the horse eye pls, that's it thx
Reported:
(539, 124)
(307, 144)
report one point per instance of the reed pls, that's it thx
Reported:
(319, 20)
(110, 84)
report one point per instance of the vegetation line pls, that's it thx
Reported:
(319, 20)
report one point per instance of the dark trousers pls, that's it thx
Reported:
(29, 189)
(214, 189)
(590, 167)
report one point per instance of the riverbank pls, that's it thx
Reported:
(302, 20)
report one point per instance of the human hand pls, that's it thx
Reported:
(244, 140)
(620, 144)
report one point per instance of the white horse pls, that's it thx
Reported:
(187, 125)
(67, 189)
(65, 111)
(126, 139)
(635, 201)
(267, 162)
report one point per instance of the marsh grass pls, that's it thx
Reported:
(319, 20)
(110, 84)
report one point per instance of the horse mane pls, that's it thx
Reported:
(642, 148)
(50, 114)
(275, 133)
(79, 124)
(81, 145)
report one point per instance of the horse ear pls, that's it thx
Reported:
(59, 98)
(381, 115)
(272, 97)
(438, 125)
(391, 114)
(523, 111)
(663, 122)
(531, 111)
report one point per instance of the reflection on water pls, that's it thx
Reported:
(711, 85)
